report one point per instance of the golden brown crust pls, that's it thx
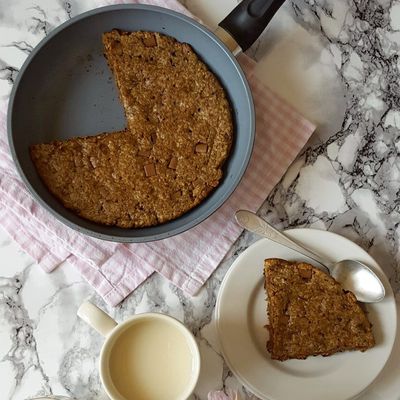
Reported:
(166, 90)
(310, 314)
(97, 177)
(170, 157)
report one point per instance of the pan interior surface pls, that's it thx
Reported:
(65, 89)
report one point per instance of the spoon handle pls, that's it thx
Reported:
(254, 223)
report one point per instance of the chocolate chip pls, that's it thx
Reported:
(154, 138)
(94, 162)
(173, 163)
(150, 170)
(201, 148)
(144, 153)
(150, 41)
(305, 273)
(104, 148)
(117, 47)
(284, 319)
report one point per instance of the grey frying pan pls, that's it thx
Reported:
(65, 89)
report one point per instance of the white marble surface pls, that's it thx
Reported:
(338, 63)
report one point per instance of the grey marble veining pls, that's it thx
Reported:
(338, 63)
(350, 183)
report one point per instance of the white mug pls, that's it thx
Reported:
(149, 356)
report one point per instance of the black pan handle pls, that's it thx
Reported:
(249, 19)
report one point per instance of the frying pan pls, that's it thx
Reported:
(65, 89)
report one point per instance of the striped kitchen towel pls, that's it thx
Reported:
(188, 259)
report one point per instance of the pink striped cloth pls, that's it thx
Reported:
(188, 259)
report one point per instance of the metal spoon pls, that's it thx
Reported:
(352, 275)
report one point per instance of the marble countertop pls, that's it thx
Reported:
(335, 61)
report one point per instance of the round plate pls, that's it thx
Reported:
(241, 316)
(65, 89)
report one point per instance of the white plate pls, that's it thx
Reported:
(241, 316)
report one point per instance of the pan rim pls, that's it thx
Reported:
(126, 238)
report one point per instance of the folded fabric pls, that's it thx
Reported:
(188, 259)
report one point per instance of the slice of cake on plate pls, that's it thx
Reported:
(310, 314)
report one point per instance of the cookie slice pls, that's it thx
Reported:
(310, 314)
(170, 157)
(101, 178)
(170, 96)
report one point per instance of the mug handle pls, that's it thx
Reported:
(96, 318)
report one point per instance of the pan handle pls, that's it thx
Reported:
(248, 20)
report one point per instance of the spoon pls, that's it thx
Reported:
(352, 275)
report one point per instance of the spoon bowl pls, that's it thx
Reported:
(351, 274)
(364, 283)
